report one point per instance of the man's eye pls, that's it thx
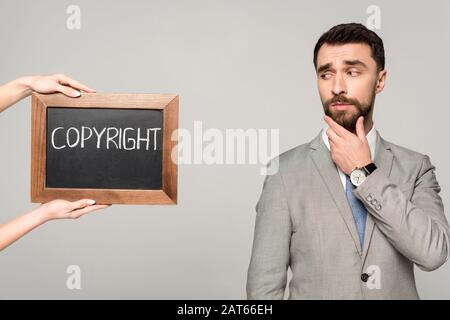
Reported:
(325, 76)
(353, 73)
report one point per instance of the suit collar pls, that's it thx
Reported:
(379, 141)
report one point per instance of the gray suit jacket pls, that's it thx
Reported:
(304, 222)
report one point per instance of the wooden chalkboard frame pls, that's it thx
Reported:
(166, 102)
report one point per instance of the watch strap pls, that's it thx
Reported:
(371, 167)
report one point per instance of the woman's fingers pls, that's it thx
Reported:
(82, 203)
(68, 91)
(75, 214)
(63, 79)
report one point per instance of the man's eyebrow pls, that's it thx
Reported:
(324, 67)
(355, 63)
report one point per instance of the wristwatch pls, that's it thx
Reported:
(358, 175)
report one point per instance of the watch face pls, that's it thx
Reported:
(357, 177)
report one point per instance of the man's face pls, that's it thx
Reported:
(348, 81)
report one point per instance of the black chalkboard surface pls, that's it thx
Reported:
(104, 148)
(115, 148)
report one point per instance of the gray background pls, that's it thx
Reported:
(235, 64)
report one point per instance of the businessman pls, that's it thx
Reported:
(349, 212)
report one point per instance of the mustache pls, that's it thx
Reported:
(343, 100)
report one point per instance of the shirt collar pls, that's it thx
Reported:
(371, 139)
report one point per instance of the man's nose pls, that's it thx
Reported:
(339, 86)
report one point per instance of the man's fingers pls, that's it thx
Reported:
(332, 144)
(340, 130)
(332, 136)
(68, 91)
(63, 79)
(360, 132)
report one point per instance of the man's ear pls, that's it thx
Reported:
(381, 80)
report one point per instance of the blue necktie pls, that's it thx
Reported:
(358, 210)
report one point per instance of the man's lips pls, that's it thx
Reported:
(341, 106)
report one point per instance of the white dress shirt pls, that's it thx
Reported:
(371, 139)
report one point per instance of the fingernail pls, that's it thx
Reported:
(91, 201)
(76, 93)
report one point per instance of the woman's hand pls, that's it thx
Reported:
(56, 209)
(57, 83)
(62, 209)
(16, 90)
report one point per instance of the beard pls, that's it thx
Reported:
(347, 118)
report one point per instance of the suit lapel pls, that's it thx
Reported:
(330, 176)
(383, 161)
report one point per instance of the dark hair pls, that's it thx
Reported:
(353, 33)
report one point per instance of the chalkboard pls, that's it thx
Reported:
(113, 148)
(104, 148)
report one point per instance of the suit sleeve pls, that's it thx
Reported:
(416, 227)
(267, 273)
